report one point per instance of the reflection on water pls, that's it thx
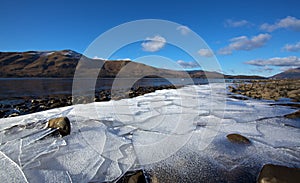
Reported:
(16, 88)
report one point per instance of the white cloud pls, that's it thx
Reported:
(225, 51)
(153, 44)
(244, 43)
(287, 68)
(127, 59)
(263, 69)
(99, 58)
(292, 47)
(184, 30)
(232, 23)
(187, 65)
(291, 61)
(123, 59)
(289, 22)
(205, 52)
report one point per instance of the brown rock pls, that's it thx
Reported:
(133, 177)
(293, 115)
(62, 124)
(237, 138)
(278, 174)
(14, 114)
(232, 89)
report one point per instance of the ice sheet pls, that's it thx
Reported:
(174, 131)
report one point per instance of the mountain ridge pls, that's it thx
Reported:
(64, 63)
(288, 74)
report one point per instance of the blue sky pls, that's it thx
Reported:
(254, 37)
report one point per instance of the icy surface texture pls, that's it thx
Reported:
(178, 132)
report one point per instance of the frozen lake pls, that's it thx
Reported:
(176, 135)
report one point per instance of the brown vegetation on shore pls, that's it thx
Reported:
(269, 89)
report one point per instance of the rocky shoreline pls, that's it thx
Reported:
(269, 89)
(37, 104)
(257, 89)
(287, 90)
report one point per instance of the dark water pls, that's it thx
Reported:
(19, 88)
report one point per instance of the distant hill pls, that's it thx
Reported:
(289, 74)
(244, 77)
(64, 63)
(38, 64)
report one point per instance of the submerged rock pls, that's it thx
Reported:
(278, 174)
(62, 124)
(293, 115)
(237, 138)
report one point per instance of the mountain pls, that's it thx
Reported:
(288, 74)
(64, 63)
(38, 63)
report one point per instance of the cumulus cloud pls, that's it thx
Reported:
(187, 65)
(245, 43)
(232, 23)
(205, 52)
(292, 47)
(291, 61)
(153, 44)
(184, 30)
(289, 22)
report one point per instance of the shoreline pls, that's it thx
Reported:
(287, 92)
(269, 89)
(284, 91)
(29, 105)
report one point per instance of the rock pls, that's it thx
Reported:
(62, 124)
(133, 177)
(97, 99)
(237, 138)
(238, 97)
(232, 89)
(278, 174)
(14, 114)
(2, 113)
(293, 115)
(6, 106)
(270, 89)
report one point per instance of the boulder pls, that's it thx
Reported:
(62, 124)
(133, 177)
(238, 139)
(278, 174)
